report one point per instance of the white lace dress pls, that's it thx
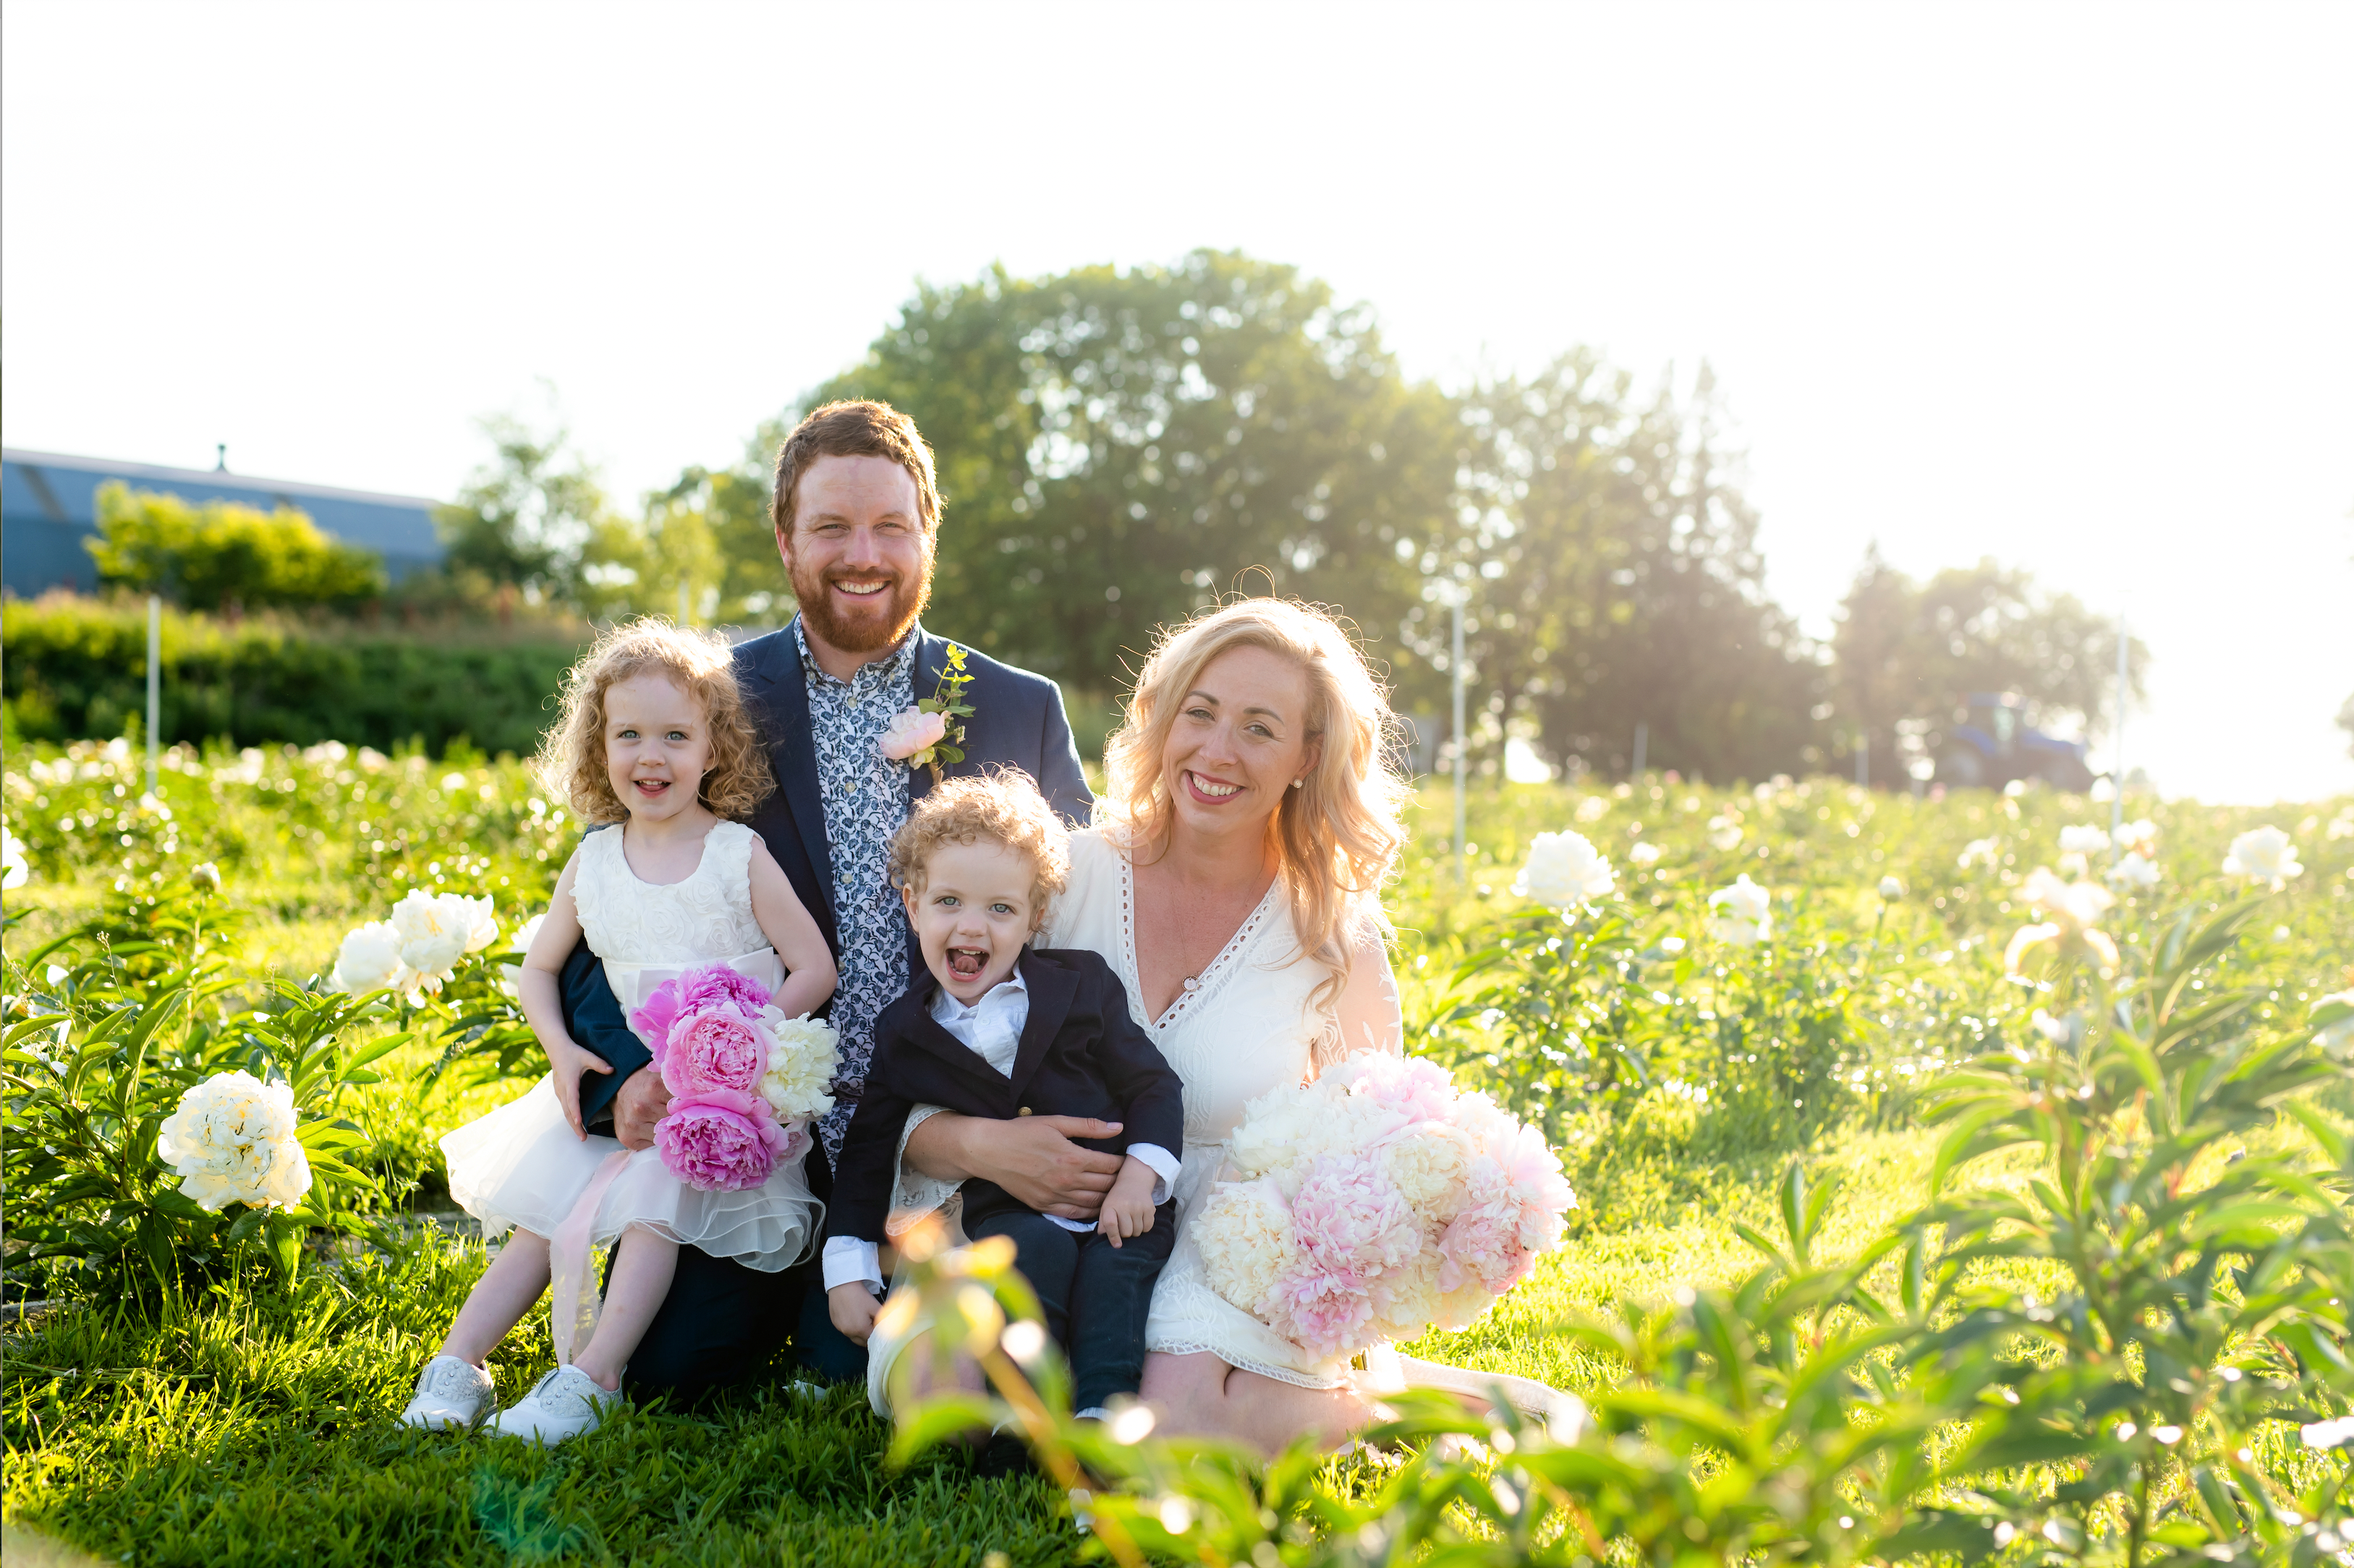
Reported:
(521, 1165)
(1249, 1024)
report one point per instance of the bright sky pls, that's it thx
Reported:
(2063, 284)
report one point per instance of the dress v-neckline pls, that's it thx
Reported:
(1199, 985)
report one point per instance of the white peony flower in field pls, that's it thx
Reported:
(2137, 838)
(438, 930)
(369, 960)
(802, 1066)
(511, 975)
(2073, 907)
(1747, 916)
(475, 918)
(1565, 871)
(1891, 888)
(1724, 832)
(2134, 874)
(1645, 855)
(1593, 808)
(1978, 852)
(2082, 841)
(2264, 854)
(232, 1142)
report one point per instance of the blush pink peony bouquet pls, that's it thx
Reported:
(744, 1080)
(1376, 1201)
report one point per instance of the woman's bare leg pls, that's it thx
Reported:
(507, 1290)
(643, 1264)
(1199, 1395)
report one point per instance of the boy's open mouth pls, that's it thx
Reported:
(966, 963)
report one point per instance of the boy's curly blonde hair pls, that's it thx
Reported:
(1001, 805)
(571, 761)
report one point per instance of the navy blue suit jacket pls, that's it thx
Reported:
(1082, 1053)
(1017, 721)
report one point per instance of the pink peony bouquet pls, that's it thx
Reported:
(1376, 1201)
(744, 1080)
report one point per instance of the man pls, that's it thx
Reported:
(857, 515)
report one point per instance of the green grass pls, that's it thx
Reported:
(253, 1424)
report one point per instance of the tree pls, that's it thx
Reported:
(1118, 448)
(1615, 579)
(223, 555)
(536, 519)
(1905, 655)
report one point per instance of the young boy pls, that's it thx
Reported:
(997, 1029)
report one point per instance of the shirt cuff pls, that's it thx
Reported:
(850, 1260)
(1163, 1164)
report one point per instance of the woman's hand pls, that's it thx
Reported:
(1031, 1157)
(566, 1060)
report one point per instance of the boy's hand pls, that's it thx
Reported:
(566, 1061)
(1128, 1207)
(852, 1306)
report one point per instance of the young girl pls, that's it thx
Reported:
(654, 737)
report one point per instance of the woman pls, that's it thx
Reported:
(1233, 880)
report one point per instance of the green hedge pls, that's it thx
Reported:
(76, 669)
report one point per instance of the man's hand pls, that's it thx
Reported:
(1034, 1158)
(852, 1307)
(1128, 1207)
(566, 1062)
(637, 1105)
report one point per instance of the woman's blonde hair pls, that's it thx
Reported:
(1337, 836)
(571, 761)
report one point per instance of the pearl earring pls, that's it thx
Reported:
(1298, 782)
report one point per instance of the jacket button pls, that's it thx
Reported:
(1025, 1110)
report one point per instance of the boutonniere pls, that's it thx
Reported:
(930, 734)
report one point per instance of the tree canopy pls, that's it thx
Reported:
(222, 554)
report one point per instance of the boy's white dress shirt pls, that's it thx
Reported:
(992, 1029)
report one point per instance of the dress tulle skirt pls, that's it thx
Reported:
(521, 1168)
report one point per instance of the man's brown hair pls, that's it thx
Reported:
(862, 428)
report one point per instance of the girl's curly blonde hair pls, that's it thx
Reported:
(571, 761)
(1001, 804)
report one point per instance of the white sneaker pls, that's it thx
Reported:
(565, 1404)
(449, 1393)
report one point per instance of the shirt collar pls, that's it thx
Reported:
(900, 664)
(1012, 985)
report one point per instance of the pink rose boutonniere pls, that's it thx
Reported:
(931, 735)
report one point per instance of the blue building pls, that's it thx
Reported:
(48, 505)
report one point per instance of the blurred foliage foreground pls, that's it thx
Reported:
(1886, 1253)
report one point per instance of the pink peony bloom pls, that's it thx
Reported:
(1483, 1245)
(1412, 1087)
(1325, 1312)
(653, 1017)
(720, 1142)
(714, 1047)
(717, 983)
(1350, 1219)
(1532, 1172)
(911, 732)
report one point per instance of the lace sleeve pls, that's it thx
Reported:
(912, 1194)
(1368, 1017)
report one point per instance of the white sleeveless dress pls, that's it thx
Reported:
(1250, 1024)
(520, 1166)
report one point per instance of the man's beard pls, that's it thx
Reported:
(895, 609)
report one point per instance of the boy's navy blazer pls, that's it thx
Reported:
(1082, 1053)
(1017, 721)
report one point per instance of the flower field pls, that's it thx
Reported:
(1694, 992)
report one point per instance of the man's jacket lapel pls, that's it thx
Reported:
(1053, 990)
(793, 753)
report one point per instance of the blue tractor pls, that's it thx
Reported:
(1991, 743)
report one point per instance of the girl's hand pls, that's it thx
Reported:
(1128, 1207)
(568, 1061)
(852, 1307)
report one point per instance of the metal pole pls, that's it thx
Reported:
(1455, 669)
(1863, 761)
(1643, 744)
(154, 682)
(2117, 750)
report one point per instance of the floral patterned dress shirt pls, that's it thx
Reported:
(865, 798)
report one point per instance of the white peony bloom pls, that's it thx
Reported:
(14, 869)
(1978, 852)
(1593, 808)
(511, 975)
(802, 1064)
(2082, 841)
(2134, 874)
(1724, 832)
(232, 1142)
(2079, 905)
(1747, 916)
(1428, 1165)
(1565, 871)
(1891, 888)
(1645, 855)
(2137, 838)
(435, 929)
(474, 917)
(1245, 1233)
(2265, 854)
(369, 960)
